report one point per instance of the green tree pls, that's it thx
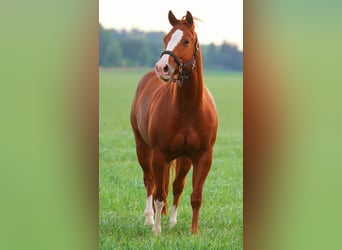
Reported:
(130, 49)
(145, 56)
(113, 54)
(104, 40)
(226, 54)
(210, 55)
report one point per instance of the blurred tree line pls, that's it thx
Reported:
(138, 48)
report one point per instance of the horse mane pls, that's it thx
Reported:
(196, 19)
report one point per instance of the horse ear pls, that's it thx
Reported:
(172, 19)
(189, 18)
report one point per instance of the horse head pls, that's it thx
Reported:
(180, 50)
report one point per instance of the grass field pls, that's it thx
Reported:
(122, 193)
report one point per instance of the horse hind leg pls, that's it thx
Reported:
(200, 172)
(144, 155)
(161, 171)
(183, 166)
(169, 176)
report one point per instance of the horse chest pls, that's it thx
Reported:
(181, 135)
(183, 142)
(185, 138)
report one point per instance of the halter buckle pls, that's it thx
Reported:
(180, 68)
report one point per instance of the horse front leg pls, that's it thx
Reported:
(149, 185)
(200, 172)
(144, 155)
(161, 172)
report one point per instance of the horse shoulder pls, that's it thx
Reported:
(205, 123)
(142, 103)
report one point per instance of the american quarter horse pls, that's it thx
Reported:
(174, 121)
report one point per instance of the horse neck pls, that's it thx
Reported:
(191, 93)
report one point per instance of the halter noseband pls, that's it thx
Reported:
(183, 74)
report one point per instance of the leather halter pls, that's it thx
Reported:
(183, 74)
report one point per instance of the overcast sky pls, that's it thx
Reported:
(222, 20)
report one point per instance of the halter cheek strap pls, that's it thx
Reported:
(183, 74)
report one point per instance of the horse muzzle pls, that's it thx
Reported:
(163, 69)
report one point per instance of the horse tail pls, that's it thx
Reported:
(170, 176)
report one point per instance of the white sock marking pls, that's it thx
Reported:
(149, 211)
(157, 223)
(173, 217)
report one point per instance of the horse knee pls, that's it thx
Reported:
(196, 202)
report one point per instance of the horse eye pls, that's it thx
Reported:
(186, 42)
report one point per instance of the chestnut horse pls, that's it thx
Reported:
(173, 117)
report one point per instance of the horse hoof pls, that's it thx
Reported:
(172, 223)
(149, 218)
(194, 231)
(156, 230)
(149, 221)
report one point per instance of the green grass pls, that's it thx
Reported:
(122, 193)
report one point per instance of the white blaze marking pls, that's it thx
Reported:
(157, 224)
(149, 211)
(173, 217)
(175, 39)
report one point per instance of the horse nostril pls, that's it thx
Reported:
(166, 68)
